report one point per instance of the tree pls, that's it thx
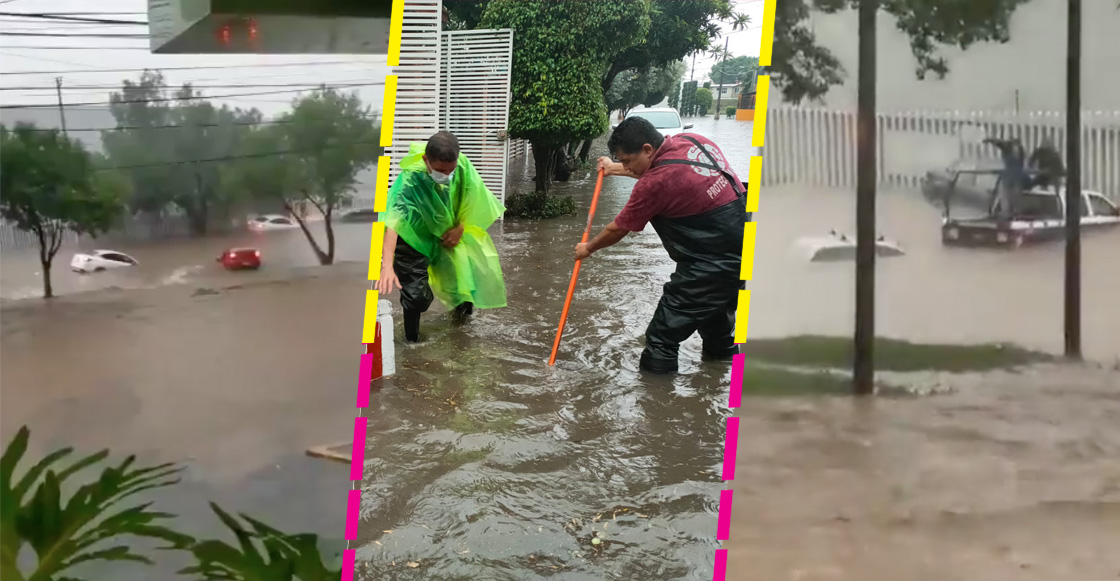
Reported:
(733, 70)
(560, 51)
(176, 147)
(677, 29)
(312, 156)
(688, 98)
(647, 87)
(48, 186)
(703, 101)
(803, 69)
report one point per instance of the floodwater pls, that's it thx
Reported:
(484, 463)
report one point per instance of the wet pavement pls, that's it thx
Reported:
(483, 463)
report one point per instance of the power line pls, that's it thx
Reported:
(78, 35)
(136, 47)
(118, 87)
(167, 99)
(239, 156)
(181, 126)
(184, 68)
(46, 16)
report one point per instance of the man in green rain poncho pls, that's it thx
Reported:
(436, 243)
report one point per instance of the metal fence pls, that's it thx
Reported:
(818, 146)
(130, 229)
(518, 148)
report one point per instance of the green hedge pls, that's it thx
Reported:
(536, 206)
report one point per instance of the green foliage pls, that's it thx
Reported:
(733, 70)
(262, 553)
(688, 98)
(646, 87)
(48, 186)
(539, 206)
(803, 69)
(677, 29)
(326, 140)
(729, 111)
(176, 147)
(88, 525)
(560, 52)
(703, 101)
(93, 523)
(675, 96)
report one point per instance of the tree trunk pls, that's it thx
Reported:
(863, 364)
(323, 257)
(48, 288)
(1072, 286)
(562, 170)
(585, 151)
(330, 237)
(544, 157)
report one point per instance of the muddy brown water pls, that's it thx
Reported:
(483, 463)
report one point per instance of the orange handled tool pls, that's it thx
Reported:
(575, 271)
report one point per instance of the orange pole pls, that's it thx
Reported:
(575, 271)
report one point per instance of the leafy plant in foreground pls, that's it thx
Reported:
(89, 524)
(262, 554)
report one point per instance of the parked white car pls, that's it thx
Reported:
(101, 260)
(666, 119)
(269, 222)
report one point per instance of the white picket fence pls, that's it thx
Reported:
(818, 146)
(518, 148)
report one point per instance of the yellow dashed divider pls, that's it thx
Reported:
(376, 245)
(369, 323)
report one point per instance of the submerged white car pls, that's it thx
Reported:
(101, 260)
(268, 222)
(840, 247)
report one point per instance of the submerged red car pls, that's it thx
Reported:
(241, 259)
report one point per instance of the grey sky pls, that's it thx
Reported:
(360, 69)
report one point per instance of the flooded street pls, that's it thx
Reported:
(484, 463)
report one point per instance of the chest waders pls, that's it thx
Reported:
(702, 294)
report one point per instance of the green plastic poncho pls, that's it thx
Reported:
(421, 211)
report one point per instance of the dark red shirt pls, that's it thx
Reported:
(679, 190)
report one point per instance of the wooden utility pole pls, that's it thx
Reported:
(719, 87)
(1073, 183)
(692, 71)
(61, 108)
(863, 364)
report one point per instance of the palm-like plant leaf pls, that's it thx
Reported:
(64, 532)
(262, 553)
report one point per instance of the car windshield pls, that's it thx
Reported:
(660, 119)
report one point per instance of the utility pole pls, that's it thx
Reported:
(61, 108)
(1073, 183)
(863, 364)
(692, 71)
(719, 87)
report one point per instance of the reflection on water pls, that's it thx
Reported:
(487, 464)
(482, 462)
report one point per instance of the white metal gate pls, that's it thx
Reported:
(475, 75)
(457, 81)
(416, 114)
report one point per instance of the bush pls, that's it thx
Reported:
(730, 112)
(537, 206)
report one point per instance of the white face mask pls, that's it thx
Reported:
(441, 178)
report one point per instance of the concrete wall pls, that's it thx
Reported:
(987, 76)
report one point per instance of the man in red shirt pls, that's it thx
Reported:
(697, 205)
